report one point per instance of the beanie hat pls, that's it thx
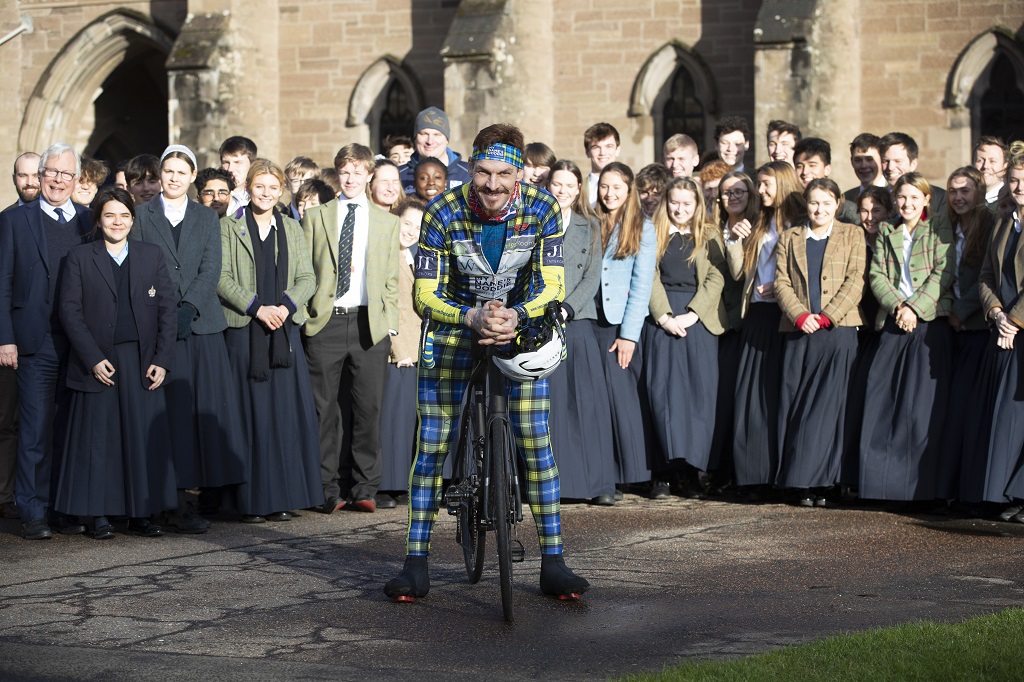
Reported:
(433, 118)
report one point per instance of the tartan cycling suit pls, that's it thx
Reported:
(453, 276)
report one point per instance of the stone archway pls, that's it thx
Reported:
(970, 80)
(653, 86)
(62, 104)
(370, 98)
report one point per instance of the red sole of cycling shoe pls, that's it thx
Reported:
(569, 597)
(405, 599)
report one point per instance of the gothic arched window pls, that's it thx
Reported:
(396, 118)
(683, 112)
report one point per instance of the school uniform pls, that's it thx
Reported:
(270, 369)
(867, 346)
(969, 344)
(721, 458)
(209, 433)
(908, 384)
(682, 372)
(398, 407)
(579, 420)
(994, 433)
(756, 397)
(120, 308)
(820, 276)
(622, 303)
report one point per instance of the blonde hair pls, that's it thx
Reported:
(264, 167)
(701, 228)
(629, 217)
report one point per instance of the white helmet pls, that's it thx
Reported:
(534, 355)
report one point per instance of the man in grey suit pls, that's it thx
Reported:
(352, 315)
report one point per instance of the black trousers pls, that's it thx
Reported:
(348, 371)
(8, 432)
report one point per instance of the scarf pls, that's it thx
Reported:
(267, 348)
(508, 212)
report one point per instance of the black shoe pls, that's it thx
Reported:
(67, 525)
(603, 501)
(253, 518)
(279, 516)
(557, 579)
(1011, 511)
(618, 495)
(413, 582)
(36, 529)
(660, 490)
(820, 501)
(187, 522)
(385, 501)
(145, 528)
(101, 529)
(332, 504)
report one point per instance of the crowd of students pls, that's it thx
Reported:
(734, 331)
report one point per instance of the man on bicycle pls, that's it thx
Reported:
(489, 261)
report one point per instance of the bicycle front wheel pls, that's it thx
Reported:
(501, 511)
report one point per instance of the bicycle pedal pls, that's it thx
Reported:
(518, 552)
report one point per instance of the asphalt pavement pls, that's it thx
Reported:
(302, 600)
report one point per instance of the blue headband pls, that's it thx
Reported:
(499, 151)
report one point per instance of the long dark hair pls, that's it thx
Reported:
(107, 194)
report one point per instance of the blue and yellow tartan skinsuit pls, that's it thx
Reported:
(453, 276)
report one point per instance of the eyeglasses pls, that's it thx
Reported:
(733, 193)
(211, 193)
(63, 175)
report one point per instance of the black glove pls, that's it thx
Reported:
(186, 313)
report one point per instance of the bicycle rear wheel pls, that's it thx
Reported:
(501, 510)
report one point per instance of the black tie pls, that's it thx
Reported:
(348, 229)
(61, 220)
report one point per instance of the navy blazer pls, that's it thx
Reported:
(194, 264)
(25, 308)
(88, 310)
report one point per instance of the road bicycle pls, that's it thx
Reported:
(484, 493)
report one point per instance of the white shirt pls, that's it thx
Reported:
(961, 239)
(174, 214)
(766, 263)
(120, 255)
(356, 294)
(408, 257)
(67, 208)
(672, 229)
(264, 231)
(906, 286)
(992, 195)
(239, 198)
(592, 189)
(828, 233)
(566, 218)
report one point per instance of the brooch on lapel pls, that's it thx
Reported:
(152, 292)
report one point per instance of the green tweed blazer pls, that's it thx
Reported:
(707, 302)
(932, 266)
(237, 287)
(842, 276)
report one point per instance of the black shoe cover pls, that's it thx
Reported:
(413, 581)
(557, 579)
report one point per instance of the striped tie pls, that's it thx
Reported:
(348, 229)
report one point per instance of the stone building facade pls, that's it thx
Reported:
(305, 77)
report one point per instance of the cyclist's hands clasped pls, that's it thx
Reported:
(494, 323)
